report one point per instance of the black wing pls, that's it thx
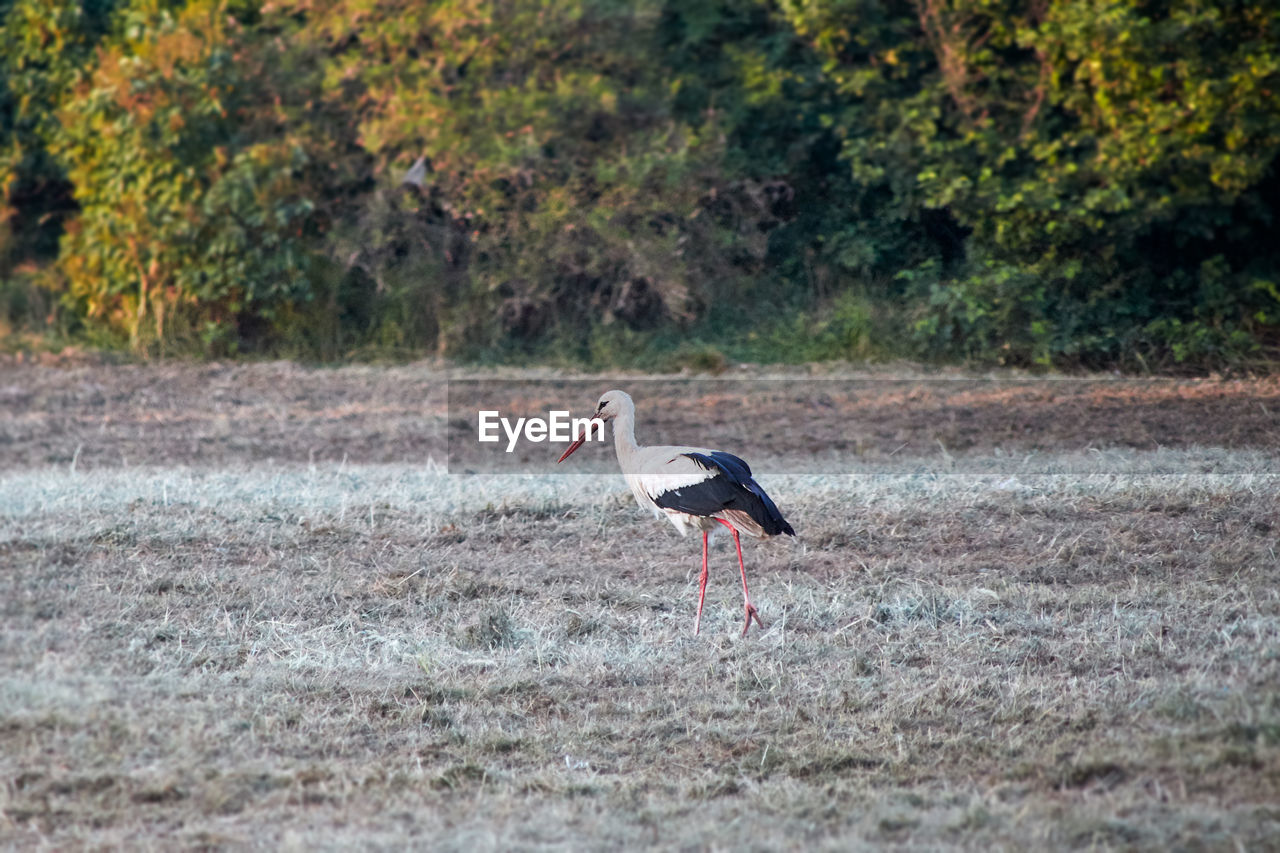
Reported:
(730, 487)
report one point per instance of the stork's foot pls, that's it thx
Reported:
(752, 612)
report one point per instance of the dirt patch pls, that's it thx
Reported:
(100, 415)
(212, 415)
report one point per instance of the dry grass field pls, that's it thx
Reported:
(244, 606)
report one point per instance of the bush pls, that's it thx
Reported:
(192, 216)
(1074, 184)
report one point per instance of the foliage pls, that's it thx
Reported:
(1095, 153)
(1072, 183)
(190, 204)
(45, 46)
(549, 166)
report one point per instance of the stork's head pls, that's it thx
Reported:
(611, 405)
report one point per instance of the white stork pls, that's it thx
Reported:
(692, 487)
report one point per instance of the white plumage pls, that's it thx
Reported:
(655, 471)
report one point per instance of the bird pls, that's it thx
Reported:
(694, 488)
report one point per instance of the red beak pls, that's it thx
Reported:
(572, 447)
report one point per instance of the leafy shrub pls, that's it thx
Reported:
(191, 215)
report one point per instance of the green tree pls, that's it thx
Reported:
(46, 47)
(193, 214)
(549, 158)
(1112, 163)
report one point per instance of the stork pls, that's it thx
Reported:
(693, 487)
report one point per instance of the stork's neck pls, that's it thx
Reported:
(624, 435)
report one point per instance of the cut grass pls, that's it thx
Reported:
(963, 651)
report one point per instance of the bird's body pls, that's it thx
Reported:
(693, 488)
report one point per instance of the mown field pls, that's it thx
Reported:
(246, 606)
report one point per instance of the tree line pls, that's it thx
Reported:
(1033, 182)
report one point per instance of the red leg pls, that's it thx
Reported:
(702, 586)
(746, 597)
